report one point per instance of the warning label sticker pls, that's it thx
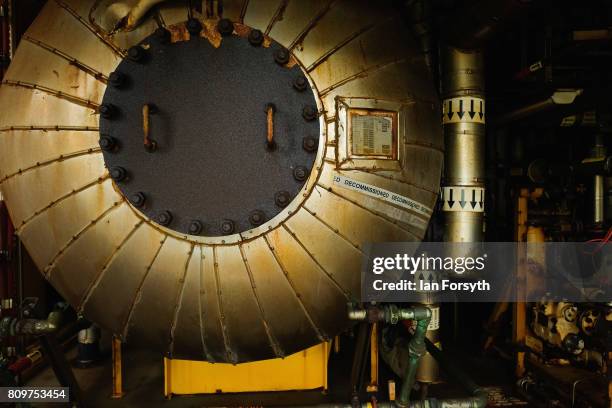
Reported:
(382, 194)
(463, 109)
(372, 133)
(434, 323)
(459, 198)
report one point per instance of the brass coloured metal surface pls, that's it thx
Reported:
(266, 292)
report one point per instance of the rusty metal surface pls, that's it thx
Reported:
(265, 292)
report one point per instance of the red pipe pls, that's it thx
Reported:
(20, 365)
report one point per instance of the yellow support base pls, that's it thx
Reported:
(305, 370)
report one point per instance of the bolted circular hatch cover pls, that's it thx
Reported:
(209, 141)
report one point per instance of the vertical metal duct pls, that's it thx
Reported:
(463, 93)
(463, 189)
(598, 152)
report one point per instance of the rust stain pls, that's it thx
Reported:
(210, 32)
(178, 33)
(292, 61)
(241, 30)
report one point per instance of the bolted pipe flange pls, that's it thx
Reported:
(225, 27)
(256, 37)
(300, 83)
(136, 53)
(309, 144)
(227, 227)
(108, 143)
(139, 130)
(138, 199)
(193, 26)
(195, 227)
(281, 56)
(282, 199)
(162, 35)
(107, 111)
(300, 173)
(118, 173)
(116, 79)
(257, 217)
(164, 218)
(310, 113)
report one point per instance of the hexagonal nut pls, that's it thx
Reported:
(164, 218)
(107, 111)
(138, 199)
(118, 173)
(256, 37)
(310, 144)
(225, 27)
(300, 83)
(108, 143)
(281, 56)
(136, 53)
(282, 199)
(300, 173)
(195, 227)
(310, 113)
(227, 227)
(194, 26)
(116, 79)
(257, 217)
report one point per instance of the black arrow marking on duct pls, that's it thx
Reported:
(481, 113)
(461, 112)
(473, 202)
(450, 109)
(421, 277)
(471, 111)
(462, 202)
(481, 202)
(450, 201)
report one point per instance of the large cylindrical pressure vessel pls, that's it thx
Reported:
(203, 181)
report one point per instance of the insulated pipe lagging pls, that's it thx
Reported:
(463, 93)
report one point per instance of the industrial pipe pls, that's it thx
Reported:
(463, 93)
(598, 154)
(559, 97)
(11, 326)
(473, 25)
(37, 326)
(421, 19)
(478, 398)
(416, 347)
